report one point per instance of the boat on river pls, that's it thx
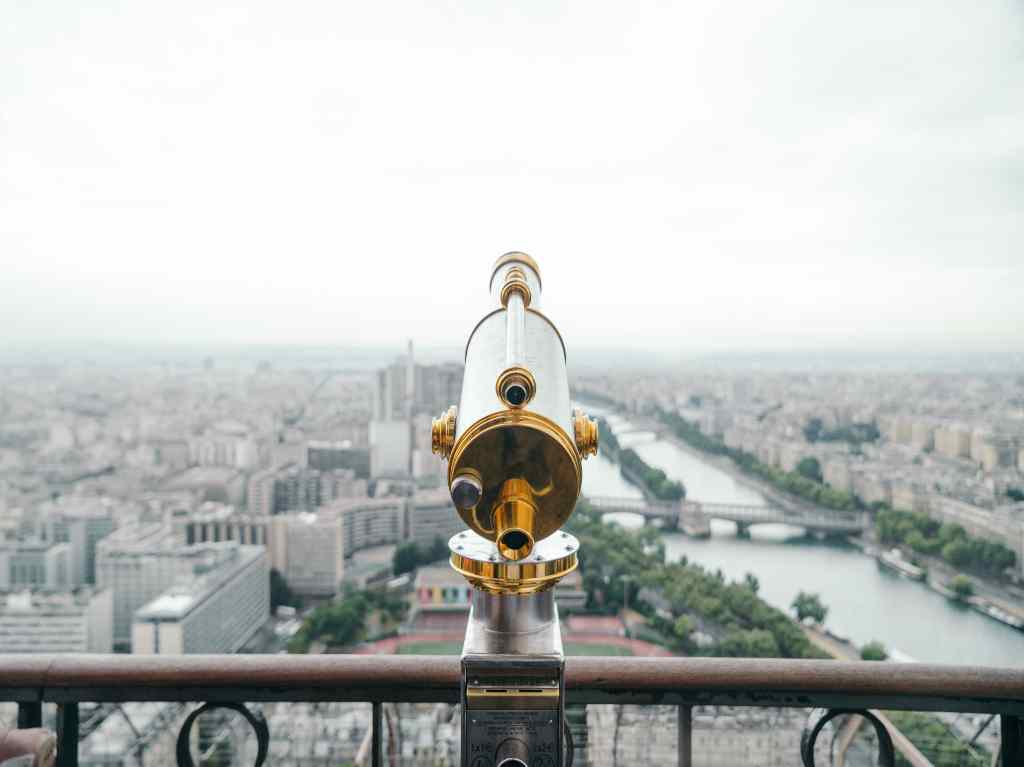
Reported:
(893, 560)
(990, 608)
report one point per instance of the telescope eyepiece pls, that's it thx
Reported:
(515, 545)
(515, 393)
(515, 386)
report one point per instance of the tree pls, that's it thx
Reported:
(809, 468)
(813, 430)
(755, 643)
(438, 551)
(406, 558)
(714, 605)
(809, 606)
(874, 650)
(683, 627)
(916, 541)
(957, 553)
(280, 594)
(961, 587)
(752, 582)
(951, 532)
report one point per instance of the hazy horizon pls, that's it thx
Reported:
(583, 360)
(790, 176)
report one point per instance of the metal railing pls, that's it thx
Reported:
(230, 681)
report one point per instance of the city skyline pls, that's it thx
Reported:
(313, 493)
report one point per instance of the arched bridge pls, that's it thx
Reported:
(693, 516)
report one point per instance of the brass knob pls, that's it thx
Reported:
(442, 433)
(586, 434)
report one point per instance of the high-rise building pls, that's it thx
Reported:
(44, 621)
(315, 551)
(389, 401)
(215, 609)
(402, 390)
(371, 521)
(259, 497)
(431, 516)
(136, 562)
(224, 443)
(297, 488)
(437, 387)
(328, 456)
(35, 564)
(341, 483)
(139, 562)
(390, 448)
(81, 523)
(214, 522)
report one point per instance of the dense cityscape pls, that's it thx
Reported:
(947, 446)
(511, 384)
(255, 506)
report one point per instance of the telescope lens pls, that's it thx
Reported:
(515, 545)
(515, 539)
(466, 491)
(515, 394)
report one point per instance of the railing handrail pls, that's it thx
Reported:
(435, 678)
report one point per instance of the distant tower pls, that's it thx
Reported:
(410, 381)
(410, 396)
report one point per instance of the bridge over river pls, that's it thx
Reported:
(693, 517)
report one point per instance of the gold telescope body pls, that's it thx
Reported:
(514, 446)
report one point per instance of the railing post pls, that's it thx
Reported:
(685, 727)
(67, 735)
(30, 714)
(1011, 747)
(375, 736)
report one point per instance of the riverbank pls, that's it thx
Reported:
(728, 466)
(866, 602)
(995, 600)
(1000, 604)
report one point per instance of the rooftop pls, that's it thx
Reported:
(438, 575)
(43, 602)
(181, 598)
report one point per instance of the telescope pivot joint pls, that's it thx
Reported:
(586, 434)
(442, 433)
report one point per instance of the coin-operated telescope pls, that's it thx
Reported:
(515, 452)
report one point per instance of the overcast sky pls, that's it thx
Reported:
(809, 173)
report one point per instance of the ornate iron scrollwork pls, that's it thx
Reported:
(821, 717)
(255, 720)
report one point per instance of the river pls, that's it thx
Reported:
(864, 601)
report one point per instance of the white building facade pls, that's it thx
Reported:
(215, 612)
(42, 621)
